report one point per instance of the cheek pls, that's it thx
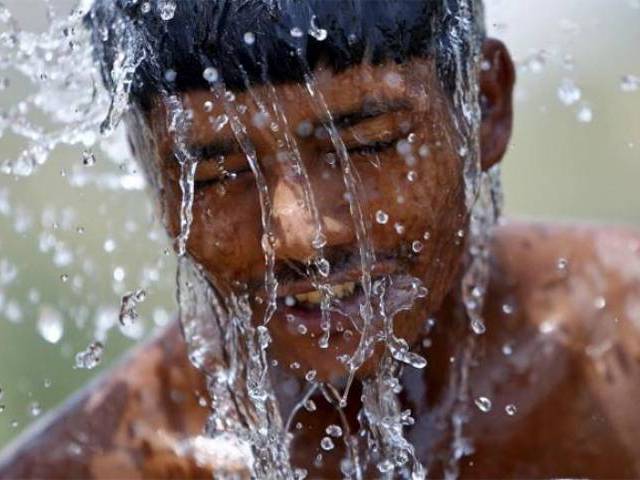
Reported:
(226, 230)
(423, 202)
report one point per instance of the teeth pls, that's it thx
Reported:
(309, 297)
(342, 290)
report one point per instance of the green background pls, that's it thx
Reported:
(557, 168)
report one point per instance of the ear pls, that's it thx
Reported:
(497, 77)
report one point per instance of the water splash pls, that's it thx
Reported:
(223, 342)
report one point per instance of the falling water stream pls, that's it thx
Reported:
(224, 340)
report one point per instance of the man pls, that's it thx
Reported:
(332, 148)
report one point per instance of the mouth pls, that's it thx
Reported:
(314, 297)
(301, 301)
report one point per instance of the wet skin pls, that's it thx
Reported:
(571, 367)
(574, 381)
(398, 127)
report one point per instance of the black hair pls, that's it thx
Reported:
(251, 42)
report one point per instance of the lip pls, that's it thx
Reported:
(350, 274)
(311, 317)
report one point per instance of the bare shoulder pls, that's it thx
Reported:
(127, 423)
(565, 299)
(581, 272)
(579, 277)
(578, 286)
(535, 246)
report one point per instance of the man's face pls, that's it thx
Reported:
(398, 127)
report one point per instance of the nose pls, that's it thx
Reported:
(295, 227)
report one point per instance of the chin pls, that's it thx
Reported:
(300, 353)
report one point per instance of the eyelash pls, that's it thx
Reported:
(376, 147)
(369, 149)
(200, 184)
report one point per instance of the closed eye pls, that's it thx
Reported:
(371, 148)
(211, 173)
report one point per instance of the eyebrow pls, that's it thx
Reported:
(341, 120)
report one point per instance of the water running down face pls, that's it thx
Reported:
(398, 127)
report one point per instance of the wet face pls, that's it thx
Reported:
(397, 126)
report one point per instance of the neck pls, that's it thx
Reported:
(431, 394)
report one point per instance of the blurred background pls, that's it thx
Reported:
(72, 244)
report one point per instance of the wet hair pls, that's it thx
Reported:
(251, 42)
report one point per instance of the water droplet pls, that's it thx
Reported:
(483, 404)
(511, 409)
(145, 7)
(393, 79)
(568, 92)
(47, 383)
(264, 338)
(562, 264)
(403, 147)
(326, 443)
(599, 303)
(629, 83)
(167, 9)
(88, 158)
(50, 325)
(310, 376)
(210, 74)
(90, 357)
(424, 151)
(412, 175)
(109, 245)
(5, 14)
(170, 75)
(64, 278)
(585, 114)
(536, 62)
(382, 217)
(249, 38)
(296, 32)
(310, 405)
(319, 242)
(128, 313)
(304, 129)
(507, 308)
(334, 431)
(478, 326)
(118, 274)
(507, 349)
(315, 31)
(35, 409)
(547, 327)
(385, 466)
(417, 246)
(323, 266)
(399, 228)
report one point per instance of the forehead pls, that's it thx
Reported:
(412, 86)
